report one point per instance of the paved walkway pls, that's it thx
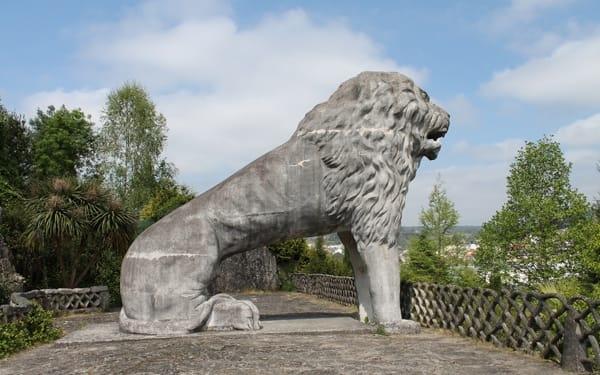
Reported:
(356, 352)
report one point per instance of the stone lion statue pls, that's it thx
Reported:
(346, 169)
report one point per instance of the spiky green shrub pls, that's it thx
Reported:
(36, 327)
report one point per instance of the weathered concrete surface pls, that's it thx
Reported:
(346, 169)
(431, 352)
(428, 353)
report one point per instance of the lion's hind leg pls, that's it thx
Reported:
(220, 312)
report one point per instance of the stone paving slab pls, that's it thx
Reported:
(354, 352)
(427, 353)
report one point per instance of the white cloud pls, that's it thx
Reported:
(499, 151)
(521, 12)
(569, 76)
(230, 93)
(585, 132)
(525, 29)
(213, 51)
(586, 156)
(477, 191)
(584, 173)
(536, 41)
(462, 111)
(581, 140)
(89, 101)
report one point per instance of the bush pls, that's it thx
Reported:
(36, 327)
(287, 285)
(568, 287)
(109, 273)
(4, 293)
(320, 261)
(290, 254)
(423, 263)
(466, 277)
(297, 256)
(164, 201)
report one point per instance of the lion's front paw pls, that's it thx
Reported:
(229, 314)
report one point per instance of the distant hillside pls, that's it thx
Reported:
(467, 229)
(406, 233)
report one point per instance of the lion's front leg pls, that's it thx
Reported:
(383, 277)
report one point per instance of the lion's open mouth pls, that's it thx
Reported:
(433, 138)
(436, 134)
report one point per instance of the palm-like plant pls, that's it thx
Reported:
(75, 222)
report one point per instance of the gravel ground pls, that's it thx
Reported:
(431, 352)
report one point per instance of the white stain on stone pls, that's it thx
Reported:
(152, 255)
(361, 131)
(300, 163)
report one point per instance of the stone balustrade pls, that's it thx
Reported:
(334, 288)
(565, 330)
(95, 298)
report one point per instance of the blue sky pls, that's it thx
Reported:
(235, 78)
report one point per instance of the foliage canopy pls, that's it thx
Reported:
(131, 142)
(63, 142)
(536, 236)
(73, 223)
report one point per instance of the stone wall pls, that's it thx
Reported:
(256, 269)
(10, 280)
(95, 298)
(10, 313)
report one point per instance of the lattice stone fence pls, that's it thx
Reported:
(79, 300)
(334, 288)
(563, 330)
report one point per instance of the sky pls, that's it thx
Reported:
(234, 78)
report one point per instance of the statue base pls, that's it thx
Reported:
(402, 327)
(220, 313)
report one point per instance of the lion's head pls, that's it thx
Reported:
(372, 134)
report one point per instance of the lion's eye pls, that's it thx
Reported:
(424, 96)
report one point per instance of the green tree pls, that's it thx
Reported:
(131, 142)
(533, 238)
(437, 255)
(318, 261)
(290, 254)
(439, 218)
(168, 197)
(15, 171)
(71, 224)
(63, 142)
(424, 263)
(596, 205)
(587, 236)
(15, 149)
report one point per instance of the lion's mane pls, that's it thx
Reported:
(366, 137)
